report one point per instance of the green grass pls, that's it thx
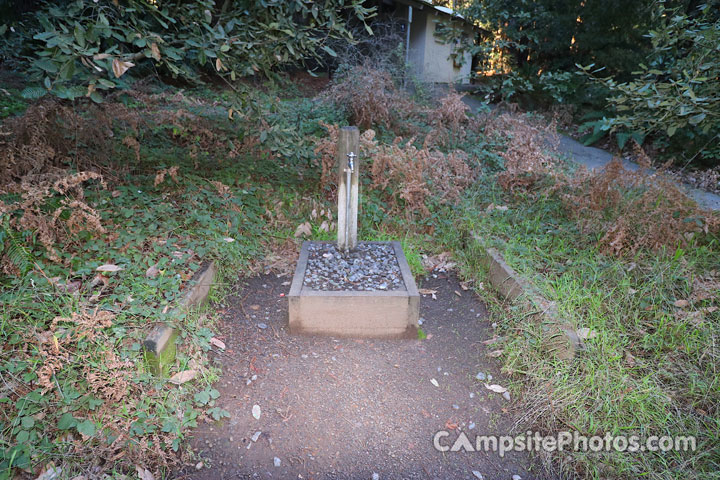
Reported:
(175, 226)
(651, 369)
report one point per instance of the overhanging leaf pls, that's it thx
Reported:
(120, 67)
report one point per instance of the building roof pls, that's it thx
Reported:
(422, 4)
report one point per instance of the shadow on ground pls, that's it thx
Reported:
(349, 408)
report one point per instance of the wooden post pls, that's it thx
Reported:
(348, 142)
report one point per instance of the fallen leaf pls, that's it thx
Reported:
(427, 291)
(218, 343)
(303, 229)
(496, 388)
(254, 307)
(144, 474)
(119, 67)
(51, 472)
(152, 272)
(108, 267)
(492, 341)
(681, 303)
(630, 359)
(457, 292)
(324, 227)
(495, 353)
(492, 207)
(464, 286)
(229, 239)
(183, 377)
(585, 333)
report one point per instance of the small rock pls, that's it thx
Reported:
(478, 475)
(481, 376)
(256, 412)
(277, 462)
(199, 466)
(262, 326)
(472, 394)
(420, 321)
(506, 396)
(303, 356)
(255, 436)
(375, 476)
(516, 477)
(471, 426)
(456, 407)
(434, 382)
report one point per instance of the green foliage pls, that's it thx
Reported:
(631, 374)
(78, 48)
(677, 94)
(11, 103)
(553, 35)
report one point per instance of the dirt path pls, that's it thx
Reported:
(353, 409)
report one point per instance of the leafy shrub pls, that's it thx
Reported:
(77, 48)
(677, 94)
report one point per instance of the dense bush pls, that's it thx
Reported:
(78, 48)
(675, 97)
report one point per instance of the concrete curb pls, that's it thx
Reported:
(159, 345)
(560, 338)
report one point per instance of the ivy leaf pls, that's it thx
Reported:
(86, 428)
(22, 437)
(202, 397)
(66, 422)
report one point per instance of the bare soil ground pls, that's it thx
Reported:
(349, 408)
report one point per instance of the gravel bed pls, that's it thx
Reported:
(370, 267)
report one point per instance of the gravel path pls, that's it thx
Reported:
(353, 409)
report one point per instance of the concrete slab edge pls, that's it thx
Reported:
(560, 338)
(159, 345)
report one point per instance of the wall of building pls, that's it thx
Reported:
(429, 58)
(437, 65)
(416, 56)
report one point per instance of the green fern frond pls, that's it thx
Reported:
(14, 249)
